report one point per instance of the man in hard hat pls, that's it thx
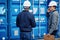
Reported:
(25, 21)
(53, 18)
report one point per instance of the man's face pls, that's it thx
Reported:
(51, 8)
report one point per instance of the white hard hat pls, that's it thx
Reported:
(52, 3)
(27, 3)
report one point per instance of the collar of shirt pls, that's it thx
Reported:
(25, 11)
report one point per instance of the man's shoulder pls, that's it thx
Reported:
(55, 13)
(30, 13)
(19, 13)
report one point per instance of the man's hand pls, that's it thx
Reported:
(48, 10)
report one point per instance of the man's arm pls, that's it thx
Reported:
(32, 21)
(47, 15)
(17, 21)
(48, 11)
